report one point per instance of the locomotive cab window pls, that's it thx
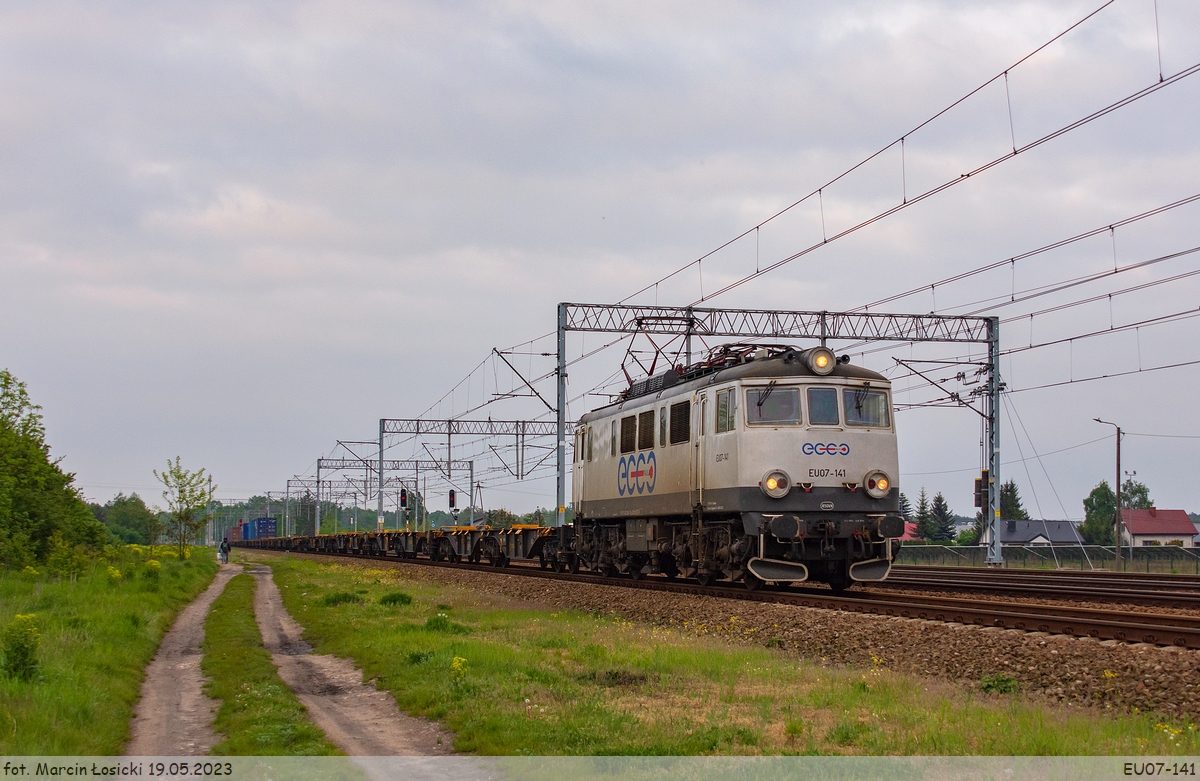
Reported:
(628, 434)
(726, 409)
(867, 408)
(646, 430)
(773, 406)
(681, 422)
(822, 407)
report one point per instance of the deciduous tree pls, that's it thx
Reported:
(37, 498)
(1097, 527)
(186, 494)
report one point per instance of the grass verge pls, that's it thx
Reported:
(259, 714)
(98, 631)
(522, 681)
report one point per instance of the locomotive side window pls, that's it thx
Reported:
(613, 439)
(726, 409)
(646, 430)
(866, 408)
(662, 427)
(589, 443)
(628, 434)
(822, 407)
(774, 406)
(681, 422)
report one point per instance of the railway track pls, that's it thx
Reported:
(1100, 623)
(1177, 591)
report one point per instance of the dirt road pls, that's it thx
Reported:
(174, 716)
(358, 718)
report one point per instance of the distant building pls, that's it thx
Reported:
(1157, 527)
(910, 532)
(1036, 533)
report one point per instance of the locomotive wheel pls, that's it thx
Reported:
(573, 564)
(752, 581)
(636, 573)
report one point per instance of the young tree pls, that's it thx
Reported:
(186, 494)
(1010, 503)
(1097, 527)
(906, 509)
(941, 521)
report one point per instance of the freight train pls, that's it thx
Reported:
(758, 464)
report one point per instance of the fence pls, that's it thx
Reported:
(1164, 559)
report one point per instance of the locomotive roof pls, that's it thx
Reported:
(773, 368)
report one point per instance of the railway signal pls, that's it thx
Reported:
(451, 498)
(981, 490)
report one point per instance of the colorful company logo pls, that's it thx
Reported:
(825, 449)
(635, 474)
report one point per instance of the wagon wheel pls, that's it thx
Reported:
(752, 581)
(705, 579)
(636, 573)
(573, 564)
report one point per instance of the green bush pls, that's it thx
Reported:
(21, 641)
(999, 683)
(395, 598)
(339, 598)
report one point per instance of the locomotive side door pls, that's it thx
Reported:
(699, 410)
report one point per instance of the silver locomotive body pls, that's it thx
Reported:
(759, 465)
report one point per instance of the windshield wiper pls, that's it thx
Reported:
(766, 393)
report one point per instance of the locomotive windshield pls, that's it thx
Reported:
(822, 406)
(866, 408)
(772, 406)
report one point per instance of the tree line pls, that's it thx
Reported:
(936, 522)
(44, 517)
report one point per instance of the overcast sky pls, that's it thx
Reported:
(238, 232)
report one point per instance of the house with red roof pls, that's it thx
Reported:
(1157, 527)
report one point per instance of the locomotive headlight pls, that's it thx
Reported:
(820, 360)
(877, 484)
(776, 484)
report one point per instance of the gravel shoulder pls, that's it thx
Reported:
(355, 716)
(1083, 672)
(174, 716)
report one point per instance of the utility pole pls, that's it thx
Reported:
(1120, 560)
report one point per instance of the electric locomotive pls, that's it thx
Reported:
(758, 464)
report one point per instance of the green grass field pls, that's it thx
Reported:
(259, 715)
(521, 681)
(98, 633)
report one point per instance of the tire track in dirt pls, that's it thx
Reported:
(174, 716)
(355, 716)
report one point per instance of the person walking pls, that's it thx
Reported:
(224, 551)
